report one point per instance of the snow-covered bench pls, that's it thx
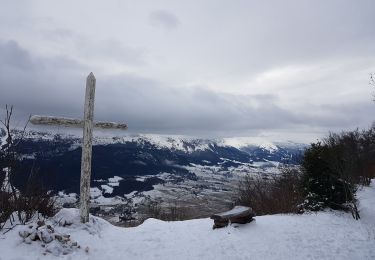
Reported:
(239, 214)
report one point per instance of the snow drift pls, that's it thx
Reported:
(325, 235)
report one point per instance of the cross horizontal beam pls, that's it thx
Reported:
(65, 121)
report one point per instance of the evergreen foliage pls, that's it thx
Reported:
(333, 168)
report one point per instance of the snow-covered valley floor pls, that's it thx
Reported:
(326, 235)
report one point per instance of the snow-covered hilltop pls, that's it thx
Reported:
(191, 144)
(323, 235)
(240, 142)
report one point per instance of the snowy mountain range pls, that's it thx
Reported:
(135, 167)
(57, 158)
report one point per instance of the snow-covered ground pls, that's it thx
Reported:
(325, 235)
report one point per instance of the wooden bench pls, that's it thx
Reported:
(239, 214)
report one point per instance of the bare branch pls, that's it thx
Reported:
(33, 199)
(23, 131)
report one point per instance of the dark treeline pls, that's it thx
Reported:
(329, 175)
(333, 169)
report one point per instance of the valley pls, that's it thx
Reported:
(135, 177)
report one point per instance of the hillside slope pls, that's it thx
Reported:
(326, 235)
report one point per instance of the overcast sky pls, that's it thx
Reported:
(284, 69)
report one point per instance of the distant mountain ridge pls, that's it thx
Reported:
(58, 156)
(173, 142)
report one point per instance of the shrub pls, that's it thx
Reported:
(333, 169)
(169, 212)
(19, 204)
(324, 185)
(272, 194)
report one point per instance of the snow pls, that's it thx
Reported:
(131, 194)
(239, 142)
(5, 184)
(188, 144)
(113, 184)
(173, 142)
(69, 198)
(235, 210)
(274, 164)
(103, 201)
(323, 235)
(95, 192)
(115, 179)
(2, 139)
(177, 142)
(141, 179)
(107, 189)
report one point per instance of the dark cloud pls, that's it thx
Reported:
(55, 86)
(151, 107)
(12, 56)
(201, 68)
(164, 18)
(36, 84)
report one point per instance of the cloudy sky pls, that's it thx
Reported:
(283, 69)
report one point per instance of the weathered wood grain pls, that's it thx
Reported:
(87, 148)
(71, 122)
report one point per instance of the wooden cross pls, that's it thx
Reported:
(87, 124)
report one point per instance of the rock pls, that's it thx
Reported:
(33, 236)
(54, 248)
(45, 236)
(54, 243)
(239, 214)
(49, 227)
(24, 233)
(40, 223)
(58, 237)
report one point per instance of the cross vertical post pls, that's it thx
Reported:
(87, 148)
(88, 125)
